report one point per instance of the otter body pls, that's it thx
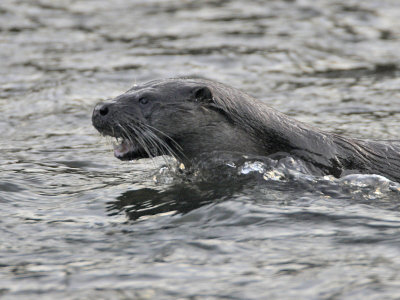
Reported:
(188, 118)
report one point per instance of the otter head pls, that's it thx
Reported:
(175, 117)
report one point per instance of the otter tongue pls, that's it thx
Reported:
(122, 149)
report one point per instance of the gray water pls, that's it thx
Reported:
(76, 223)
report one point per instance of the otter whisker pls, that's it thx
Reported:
(138, 139)
(166, 135)
(170, 150)
(146, 140)
(154, 139)
(147, 133)
(160, 141)
(163, 143)
(156, 142)
(142, 142)
(146, 136)
(125, 134)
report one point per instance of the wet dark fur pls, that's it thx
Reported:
(187, 118)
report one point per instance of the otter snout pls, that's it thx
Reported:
(102, 117)
(100, 110)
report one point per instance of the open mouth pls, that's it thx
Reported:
(132, 146)
(126, 150)
(127, 145)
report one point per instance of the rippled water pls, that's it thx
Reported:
(78, 224)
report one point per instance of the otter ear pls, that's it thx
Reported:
(202, 94)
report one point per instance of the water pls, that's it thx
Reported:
(77, 223)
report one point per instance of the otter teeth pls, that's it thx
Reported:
(121, 149)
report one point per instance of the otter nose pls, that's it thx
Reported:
(101, 109)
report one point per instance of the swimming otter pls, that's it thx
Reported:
(187, 118)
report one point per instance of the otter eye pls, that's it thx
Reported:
(143, 101)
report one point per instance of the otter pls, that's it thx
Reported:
(191, 117)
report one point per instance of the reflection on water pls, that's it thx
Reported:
(180, 198)
(77, 223)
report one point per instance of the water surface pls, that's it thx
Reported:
(77, 223)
